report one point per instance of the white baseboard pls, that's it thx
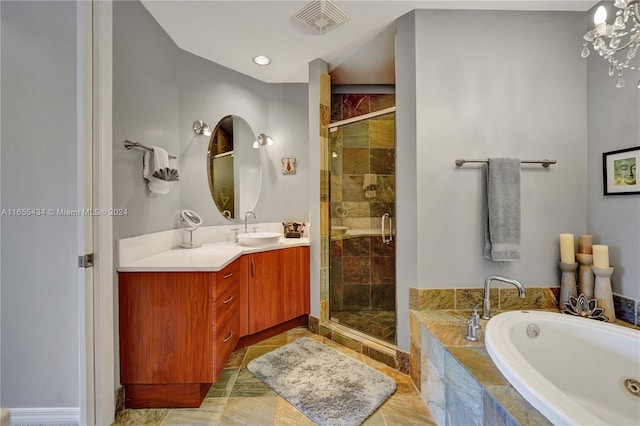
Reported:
(45, 416)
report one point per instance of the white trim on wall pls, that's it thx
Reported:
(85, 241)
(0, 199)
(103, 270)
(65, 416)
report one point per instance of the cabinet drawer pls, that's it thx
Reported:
(225, 339)
(225, 300)
(224, 279)
(225, 336)
(226, 305)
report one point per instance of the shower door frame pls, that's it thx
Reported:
(332, 127)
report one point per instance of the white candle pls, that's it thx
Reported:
(567, 249)
(600, 256)
(585, 244)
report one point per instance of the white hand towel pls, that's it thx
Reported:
(502, 229)
(151, 162)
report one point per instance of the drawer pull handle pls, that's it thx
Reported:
(228, 299)
(229, 336)
(253, 268)
(229, 275)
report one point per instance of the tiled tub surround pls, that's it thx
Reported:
(627, 310)
(506, 299)
(457, 379)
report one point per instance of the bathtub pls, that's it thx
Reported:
(573, 370)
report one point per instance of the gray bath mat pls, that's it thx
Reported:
(327, 386)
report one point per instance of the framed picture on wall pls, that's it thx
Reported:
(620, 171)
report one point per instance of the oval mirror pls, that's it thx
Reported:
(234, 168)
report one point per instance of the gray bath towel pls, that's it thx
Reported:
(502, 231)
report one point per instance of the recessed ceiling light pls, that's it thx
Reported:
(262, 60)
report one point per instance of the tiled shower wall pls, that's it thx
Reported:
(362, 267)
(363, 274)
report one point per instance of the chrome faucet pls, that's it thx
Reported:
(246, 219)
(473, 325)
(486, 304)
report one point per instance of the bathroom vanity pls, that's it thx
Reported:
(183, 312)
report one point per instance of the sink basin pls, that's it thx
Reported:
(256, 239)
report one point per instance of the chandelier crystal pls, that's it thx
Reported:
(619, 42)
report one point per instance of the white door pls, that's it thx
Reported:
(100, 404)
(97, 385)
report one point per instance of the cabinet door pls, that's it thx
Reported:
(265, 290)
(278, 287)
(295, 282)
(243, 301)
(165, 327)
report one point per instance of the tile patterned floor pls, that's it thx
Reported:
(239, 399)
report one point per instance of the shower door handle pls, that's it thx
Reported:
(382, 231)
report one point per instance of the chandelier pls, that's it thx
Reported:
(617, 43)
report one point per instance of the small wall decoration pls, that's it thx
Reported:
(288, 166)
(620, 171)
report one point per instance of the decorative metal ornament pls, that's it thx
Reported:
(582, 307)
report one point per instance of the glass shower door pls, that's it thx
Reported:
(362, 209)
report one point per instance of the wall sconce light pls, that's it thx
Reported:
(262, 140)
(201, 128)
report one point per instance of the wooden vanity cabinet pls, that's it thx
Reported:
(278, 287)
(177, 330)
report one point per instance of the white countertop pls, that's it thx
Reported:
(210, 257)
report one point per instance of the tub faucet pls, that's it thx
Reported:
(486, 303)
(246, 219)
(473, 325)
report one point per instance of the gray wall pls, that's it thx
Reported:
(146, 109)
(501, 84)
(40, 313)
(209, 92)
(159, 91)
(406, 173)
(614, 123)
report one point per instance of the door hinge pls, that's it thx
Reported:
(85, 261)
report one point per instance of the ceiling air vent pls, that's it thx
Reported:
(321, 16)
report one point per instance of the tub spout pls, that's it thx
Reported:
(486, 303)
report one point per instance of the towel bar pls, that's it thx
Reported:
(128, 145)
(545, 163)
